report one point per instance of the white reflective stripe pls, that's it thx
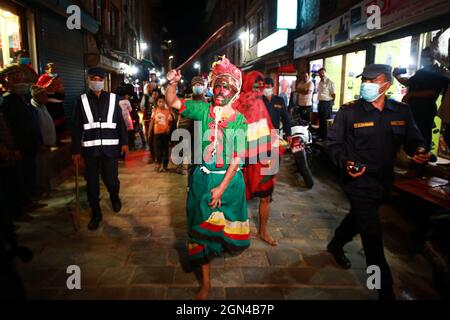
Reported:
(207, 171)
(87, 108)
(104, 142)
(97, 125)
(112, 105)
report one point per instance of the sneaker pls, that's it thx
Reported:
(157, 168)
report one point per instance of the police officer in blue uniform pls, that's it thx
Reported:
(363, 143)
(100, 136)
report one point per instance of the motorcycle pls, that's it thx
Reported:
(301, 149)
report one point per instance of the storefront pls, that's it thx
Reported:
(64, 48)
(16, 33)
(10, 36)
(399, 45)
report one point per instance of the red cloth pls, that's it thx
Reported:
(43, 80)
(253, 108)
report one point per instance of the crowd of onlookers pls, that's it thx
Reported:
(31, 109)
(32, 123)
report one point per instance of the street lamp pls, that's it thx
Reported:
(144, 46)
(133, 70)
(243, 36)
(198, 66)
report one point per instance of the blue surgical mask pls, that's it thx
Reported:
(24, 61)
(198, 90)
(370, 91)
(96, 86)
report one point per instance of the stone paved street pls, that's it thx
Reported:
(140, 253)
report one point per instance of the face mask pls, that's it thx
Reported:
(20, 88)
(24, 61)
(197, 90)
(370, 91)
(268, 92)
(96, 86)
(53, 75)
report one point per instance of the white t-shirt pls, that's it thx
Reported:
(305, 100)
(325, 90)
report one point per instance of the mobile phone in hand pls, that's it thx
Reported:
(356, 168)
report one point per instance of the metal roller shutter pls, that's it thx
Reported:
(64, 47)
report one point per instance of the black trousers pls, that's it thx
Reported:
(301, 113)
(109, 170)
(325, 109)
(11, 193)
(424, 114)
(162, 149)
(363, 219)
(151, 142)
(27, 177)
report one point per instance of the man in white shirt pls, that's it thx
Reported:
(326, 97)
(305, 89)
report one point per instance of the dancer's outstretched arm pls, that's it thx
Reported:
(173, 77)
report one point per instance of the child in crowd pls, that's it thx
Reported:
(161, 123)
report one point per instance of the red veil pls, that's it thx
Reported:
(262, 139)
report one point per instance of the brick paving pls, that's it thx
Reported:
(140, 253)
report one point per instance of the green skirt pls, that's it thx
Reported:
(215, 231)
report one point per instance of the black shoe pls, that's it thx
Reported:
(116, 204)
(339, 255)
(95, 221)
(386, 294)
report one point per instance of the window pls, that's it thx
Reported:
(260, 25)
(98, 10)
(354, 65)
(114, 19)
(10, 37)
(251, 31)
(333, 65)
(396, 53)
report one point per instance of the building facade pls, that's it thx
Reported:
(110, 36)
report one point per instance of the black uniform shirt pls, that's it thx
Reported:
(277, 110)
(362, 133)
(99, 107)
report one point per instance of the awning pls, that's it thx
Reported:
(60, 6)
(148, 63)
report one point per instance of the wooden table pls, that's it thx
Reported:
(416, 187)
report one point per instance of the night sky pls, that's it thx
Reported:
(186, 24)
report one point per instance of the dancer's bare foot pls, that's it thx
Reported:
(203, 292)
(268, 239)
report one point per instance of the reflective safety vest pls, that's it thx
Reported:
(99, 133)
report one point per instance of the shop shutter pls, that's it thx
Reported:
(64, 47)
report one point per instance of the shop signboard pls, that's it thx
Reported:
(352, 25)
(393, 13)
(305, 45)
(327, 36)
